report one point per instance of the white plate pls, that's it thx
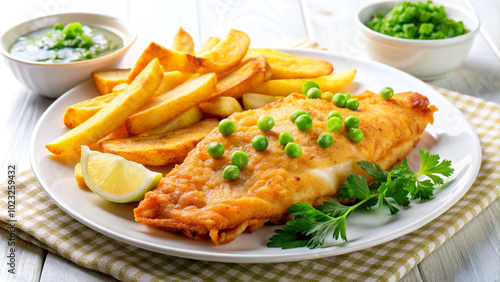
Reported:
(451, 137)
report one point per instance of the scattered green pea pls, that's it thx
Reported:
(304, 122)
(335, 114)
(260, 142)
(327, 96)
(216, 150)
(334, 124)
(351, 122)
(347, 96)
(314, 93)
(386, 93)
(265, 123)
(297, 113)
(226, 127)
(356, 135)
(352, 104)
(339, 100)
(239, 159)
(293, 150)
(231, 172)
(308, 85)
(285, 137)
(325, 140)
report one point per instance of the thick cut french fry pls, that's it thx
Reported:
(222, 75)
(170, 60)
(208, 46)
(183, 42)
(223, 56)
(227, 54)
(105, 80)
(119, 133)
(184, 119)
(163, 149)
(170, 104)
(284, 65)
(119, 87)
(245, 79)
(82, 111)
(221, 107)
(113, 114)
(255, 101)
(284, 87)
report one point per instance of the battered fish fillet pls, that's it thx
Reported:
(195, 199)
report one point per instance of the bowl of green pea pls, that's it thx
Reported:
(50, 55)
(424, 39)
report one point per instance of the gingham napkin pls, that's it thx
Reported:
(42, 223)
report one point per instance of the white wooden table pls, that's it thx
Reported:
(473, 254)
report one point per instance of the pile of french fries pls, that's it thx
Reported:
(156, 112)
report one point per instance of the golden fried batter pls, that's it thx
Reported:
(195, 199)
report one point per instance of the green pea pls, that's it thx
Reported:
(335, 114)
(216, 150)
(327, 96)
(285, 137)
(356, 135)
(239, 159)
(260, 142)
(334, 124)
(231, 172)
(351, 122)
(325, 140)
(265, 123)
(308, 85)
(347, 96)
(314, 93)
(352, 104)
(227, 127)
(339, 100)
(58, 26)
(304, 122)
(297, 113)
(386, 93)
(293, 150)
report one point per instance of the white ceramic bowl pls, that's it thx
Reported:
(425, 59)
(52, 80)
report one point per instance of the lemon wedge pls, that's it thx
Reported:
(116, 179)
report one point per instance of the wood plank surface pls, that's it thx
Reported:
(57, 268)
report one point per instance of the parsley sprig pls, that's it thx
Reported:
(310, 227)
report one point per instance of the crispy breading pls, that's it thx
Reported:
(195, 199)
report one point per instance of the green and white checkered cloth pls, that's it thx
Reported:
(42, 223)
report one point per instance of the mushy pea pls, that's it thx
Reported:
(66, 43)
(417, 21)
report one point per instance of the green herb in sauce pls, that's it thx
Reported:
(417, 21)
(66, 43)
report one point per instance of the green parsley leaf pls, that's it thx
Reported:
(431, 167)
(287, 240)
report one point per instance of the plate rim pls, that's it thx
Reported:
(234, 257)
